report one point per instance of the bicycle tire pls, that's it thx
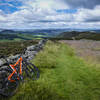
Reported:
(31, 70)
(7, 88)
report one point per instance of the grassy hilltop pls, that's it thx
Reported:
(63, 76)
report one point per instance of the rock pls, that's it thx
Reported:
(2, 62)
(4, 67)
(14, 57)
(31, 48)
(30, 53)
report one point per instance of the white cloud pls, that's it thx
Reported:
(42, 14)
(88, 15)
(46, 4)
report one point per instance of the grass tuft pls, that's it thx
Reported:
(48, 57)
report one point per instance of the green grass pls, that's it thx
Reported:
(63, 76)
(27, 36)
(5, 40)
(96, 49)
(17, 37)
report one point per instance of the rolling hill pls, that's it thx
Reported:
(49, 33)
(79, 35)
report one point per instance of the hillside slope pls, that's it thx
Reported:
(79, 35)
(63, 76)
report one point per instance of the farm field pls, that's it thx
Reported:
(18, 37)
(87, 49)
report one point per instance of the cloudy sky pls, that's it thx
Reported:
(33, 14)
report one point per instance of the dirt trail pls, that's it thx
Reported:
(88, 49)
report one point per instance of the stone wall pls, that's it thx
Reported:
(29, 54)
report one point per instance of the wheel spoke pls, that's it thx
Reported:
(32, 70)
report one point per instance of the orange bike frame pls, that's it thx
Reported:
(14, 69)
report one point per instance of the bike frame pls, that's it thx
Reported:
(14, 69)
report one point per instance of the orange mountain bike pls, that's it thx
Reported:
(12, 74)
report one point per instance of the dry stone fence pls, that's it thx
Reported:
(30, 53)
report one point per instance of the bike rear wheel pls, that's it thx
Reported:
(7, 88)
(31, 70)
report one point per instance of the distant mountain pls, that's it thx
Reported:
(7, 31)
(1, 29)
(97, 31)
(46, 32)
(79, 35)
(50, 32)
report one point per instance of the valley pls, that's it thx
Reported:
(58, 34)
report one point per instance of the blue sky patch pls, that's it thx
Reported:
(8, 9)
(67, 11)
(9, 6)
